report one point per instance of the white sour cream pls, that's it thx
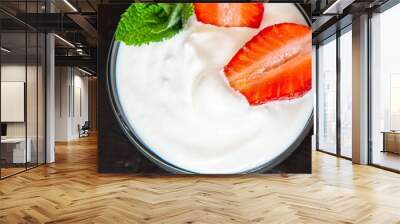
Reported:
(177, 100)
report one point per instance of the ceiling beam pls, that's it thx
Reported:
(45, 22)
(337, 7)
(77, 17)
(84, 24)
(81, 61)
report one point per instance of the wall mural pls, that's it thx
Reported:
(205, 88)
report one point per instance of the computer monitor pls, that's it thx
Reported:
(3, 129)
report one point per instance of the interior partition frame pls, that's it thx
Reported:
(44, 76)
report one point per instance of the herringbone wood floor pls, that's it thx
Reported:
(71, 191)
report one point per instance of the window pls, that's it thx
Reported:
(385, 89)
(394, 102)
(346, 93)
(327, 96)
(334, 72)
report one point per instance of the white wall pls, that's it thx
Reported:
(81, 85)
(71, 93)
(62, 81)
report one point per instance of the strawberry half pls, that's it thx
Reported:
(274, 65)
(230, 14)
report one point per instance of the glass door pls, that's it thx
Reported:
(327, 96)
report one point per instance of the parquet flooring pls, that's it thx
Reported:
(10, 171)
(71, 191)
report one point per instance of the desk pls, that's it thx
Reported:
(13, 150)
(391, 141)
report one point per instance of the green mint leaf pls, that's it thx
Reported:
(187, 12)
(143, 23)
(173, 19)
(167, 7)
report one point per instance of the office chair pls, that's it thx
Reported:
(84, 130)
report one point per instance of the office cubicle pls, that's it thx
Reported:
(22, 77)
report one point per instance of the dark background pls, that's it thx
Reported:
(116, 154)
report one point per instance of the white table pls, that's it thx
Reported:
(18, 149)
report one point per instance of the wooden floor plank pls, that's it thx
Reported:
(71, 191)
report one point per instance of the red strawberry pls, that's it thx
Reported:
(274, 65)
(230, 14)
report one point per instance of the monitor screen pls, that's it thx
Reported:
(3, 129)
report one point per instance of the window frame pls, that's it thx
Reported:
(334, 37)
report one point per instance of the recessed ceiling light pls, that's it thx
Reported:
(337, 7)
(70, 5)
(84, 71)
(64, 40)
(5, 50)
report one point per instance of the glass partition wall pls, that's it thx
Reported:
(13, 89)
(22, 66)
(334, 75)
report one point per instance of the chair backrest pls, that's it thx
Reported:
(86, 124)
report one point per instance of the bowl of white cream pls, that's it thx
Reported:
(173, 102)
